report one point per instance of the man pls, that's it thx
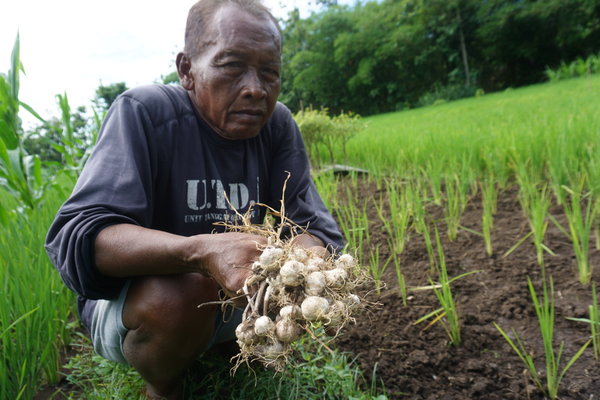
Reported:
(136, 240)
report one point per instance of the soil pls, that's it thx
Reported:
(417, 363)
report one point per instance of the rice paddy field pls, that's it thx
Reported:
(477, 219)
(480, 220)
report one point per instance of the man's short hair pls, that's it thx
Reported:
(201, 14)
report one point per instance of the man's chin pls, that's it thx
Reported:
(240, 134)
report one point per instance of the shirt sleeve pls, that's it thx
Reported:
(303, 204)
(114, 187)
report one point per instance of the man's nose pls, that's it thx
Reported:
(252, 85)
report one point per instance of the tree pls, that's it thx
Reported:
(105, 95)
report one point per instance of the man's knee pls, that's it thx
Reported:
(170, 302)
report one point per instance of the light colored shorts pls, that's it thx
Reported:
(108, 332)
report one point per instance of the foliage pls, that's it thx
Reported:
(20, 173)
(574, 69)
(389, 55)
(171, 77)
(333, 133)
(106, 94)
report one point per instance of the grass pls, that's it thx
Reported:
(317, 373)
(36, 310)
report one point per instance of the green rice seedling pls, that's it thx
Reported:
(434, 174)
(580, 229)
(400, 278)
(488, 200)
(327, 186)
(416, 204)
(354, 223)
(398, 222)
(594, 321)
(594, 313)
(423, 227)
(535, 203)
(377, 268)
(447, 314)
(544, 310)
(454, 207)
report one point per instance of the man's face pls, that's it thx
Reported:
(234, 81)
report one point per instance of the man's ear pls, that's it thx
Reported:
(184, 70)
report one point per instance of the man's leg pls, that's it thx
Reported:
(167, 330)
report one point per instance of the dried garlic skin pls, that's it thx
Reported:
(314, 283)
(290, 273)
(287, 330)
(336, 278)
(314, 308)
(269, 258)
(263, 326)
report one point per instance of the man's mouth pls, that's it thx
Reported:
(250, 111)
(249, 115)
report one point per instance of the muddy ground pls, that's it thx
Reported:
(417, 364)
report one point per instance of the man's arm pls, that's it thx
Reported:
(126, 250)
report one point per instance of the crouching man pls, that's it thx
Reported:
(137, 241)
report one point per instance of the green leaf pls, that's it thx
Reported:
(32, 111)
(16, 67)
(4, 158)
(8, 135)
(3, 215)
(37, 170)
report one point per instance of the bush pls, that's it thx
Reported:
(319, 131)
(574, 69)
(443, 94)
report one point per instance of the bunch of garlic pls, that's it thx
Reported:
(289, 290)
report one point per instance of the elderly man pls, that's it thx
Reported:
(137, 241)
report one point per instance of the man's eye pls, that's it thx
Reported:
(233, 65)
(271, 72)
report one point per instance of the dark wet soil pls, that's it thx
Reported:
(414, 363)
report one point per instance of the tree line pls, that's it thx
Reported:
(380, 56)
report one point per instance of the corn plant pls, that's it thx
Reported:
(544, 310)
(20, 173)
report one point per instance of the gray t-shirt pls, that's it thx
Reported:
(157, 164)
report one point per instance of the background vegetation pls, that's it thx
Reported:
(390, 55)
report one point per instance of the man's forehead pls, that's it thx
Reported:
(231, 21)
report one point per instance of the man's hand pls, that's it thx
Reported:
(312, 243)
(228, 258)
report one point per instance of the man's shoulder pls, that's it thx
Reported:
(281, 116)
(161, 102)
